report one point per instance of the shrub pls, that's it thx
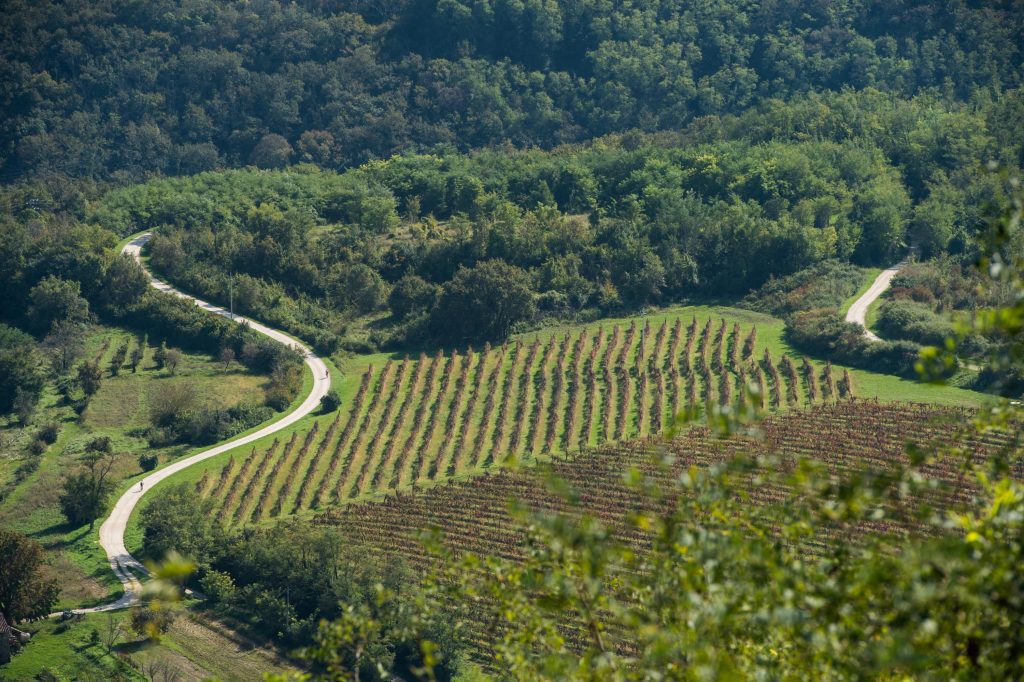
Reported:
(913, 321)
(48, 433)
(823, 285)
(218, 587)
(330, 402)
(37, 447)
(148, 461)
(100, 444)
(28, 467)
(824, 333)
(152, 621)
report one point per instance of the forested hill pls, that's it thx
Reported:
(124, 89)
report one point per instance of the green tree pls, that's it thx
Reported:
(226, 357)
(160, 355)
(65, 344)
(177, 520)
(118, 358)
(55, 299)
(124, 283)
(272, 151)
(881, 210)
(83, 496)
(934, 221)
(21, 368)
(483, 303)
(360, 287)
(172, 358)
(90, 376)
(25, 591)
(412, 295)
(136, 357)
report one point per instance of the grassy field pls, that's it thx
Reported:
(196, 648)
(118, 411)
(416, 421)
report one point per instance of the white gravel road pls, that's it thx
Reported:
(859, 310)
(112, 531)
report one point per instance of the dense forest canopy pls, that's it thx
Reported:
(127, 89)
(716, 209)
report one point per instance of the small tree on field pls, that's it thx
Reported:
(83, 497)
(24, 590)
(160, 355)
(112, 632)
(117, 360)
(65, 344)
(226, 357)
(24, 406)
(136, 358)
(172, 359)
(89, 377)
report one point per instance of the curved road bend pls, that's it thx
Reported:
(113, 529)
(859, 310)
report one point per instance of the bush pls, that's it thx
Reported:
(148, 462)
(218, 587)
(204, 425)
(823, 332)
(359, 346)
(100, 444)
(151, 621)
(330, 402)
(37, 447)
(285, 382)
(48, 433)
(913, 321)
(824, 285)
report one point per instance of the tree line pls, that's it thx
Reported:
(462, 248)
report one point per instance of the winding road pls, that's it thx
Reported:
(859, 310)
(112, 531)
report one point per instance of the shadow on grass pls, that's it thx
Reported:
(138, 646)
(60, 535)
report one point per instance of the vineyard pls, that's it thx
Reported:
(473, 516)
(441, 417)
(845, 436)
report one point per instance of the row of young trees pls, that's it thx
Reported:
(443, 417)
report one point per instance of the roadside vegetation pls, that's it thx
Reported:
(61, 453)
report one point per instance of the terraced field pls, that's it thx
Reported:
(415, 421)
